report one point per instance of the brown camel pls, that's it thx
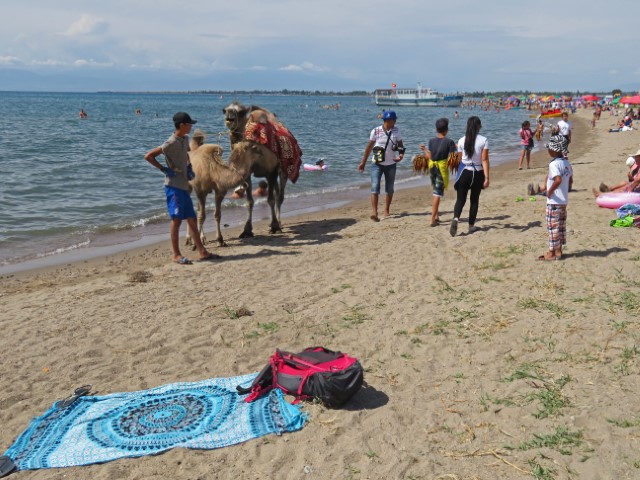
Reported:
(251, 157)
(212, 175)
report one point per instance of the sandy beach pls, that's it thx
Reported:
(481, 362)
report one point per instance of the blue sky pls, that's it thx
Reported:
(453, 45)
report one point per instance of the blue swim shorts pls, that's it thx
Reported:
(179, 203)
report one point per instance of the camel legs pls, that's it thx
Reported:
(202, 200)
(282, 185)
(248, 227)
(202, 215)
(274, 203)
(217, 215)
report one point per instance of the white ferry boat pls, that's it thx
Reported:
(415, 97)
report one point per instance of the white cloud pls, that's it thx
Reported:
(304, 66)
(91, 63)
(9, 60)
(47, 63)
(87, 25)
(291, 68)
(258, 68)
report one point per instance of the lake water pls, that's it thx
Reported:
(69, 183)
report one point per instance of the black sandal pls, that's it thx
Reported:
(6, 466)
(77, 393)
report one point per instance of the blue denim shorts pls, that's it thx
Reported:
(389, 172)
(179, 203)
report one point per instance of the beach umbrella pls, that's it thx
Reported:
(590, 98)
(632, 100)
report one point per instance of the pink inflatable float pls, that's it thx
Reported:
(617, 199)
(313, 168)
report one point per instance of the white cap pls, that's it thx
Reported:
(630, 161)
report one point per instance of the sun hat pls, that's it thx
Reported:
(183, 117)
(557, 143)
(636, 154)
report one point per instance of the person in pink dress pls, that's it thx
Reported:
(526, 144)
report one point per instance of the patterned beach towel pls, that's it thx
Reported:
(202, 415)
(277, 138)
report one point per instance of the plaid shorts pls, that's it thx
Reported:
(557, 226)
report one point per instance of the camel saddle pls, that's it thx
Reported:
(277, 138)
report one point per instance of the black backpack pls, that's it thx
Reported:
(315, 373)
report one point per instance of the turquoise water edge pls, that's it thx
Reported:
(71, 184)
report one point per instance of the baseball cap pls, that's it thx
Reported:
(183, 117)
(389, 115)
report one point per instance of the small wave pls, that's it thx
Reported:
(407, 179)
(322, 191)
(141, 222)
(60, 250)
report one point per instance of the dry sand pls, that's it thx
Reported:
(481, 362)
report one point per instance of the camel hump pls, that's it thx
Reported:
(263, 113)
(197, 139)
(212, 149)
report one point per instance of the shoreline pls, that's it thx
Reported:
(355, 199)
(463, 339)
(94, 245)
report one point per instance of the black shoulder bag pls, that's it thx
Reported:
(378, 152)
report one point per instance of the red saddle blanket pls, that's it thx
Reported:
(277, 138)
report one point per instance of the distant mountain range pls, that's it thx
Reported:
(97, 80)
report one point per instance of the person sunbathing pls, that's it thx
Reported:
(623, 125)
(633, 178)
(533, 190)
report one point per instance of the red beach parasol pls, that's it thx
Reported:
(590, 98)
(633, 100)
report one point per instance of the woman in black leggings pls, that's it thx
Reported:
(473, 175)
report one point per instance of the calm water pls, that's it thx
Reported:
(69, 183)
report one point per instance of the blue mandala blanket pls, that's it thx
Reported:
(204, 415)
